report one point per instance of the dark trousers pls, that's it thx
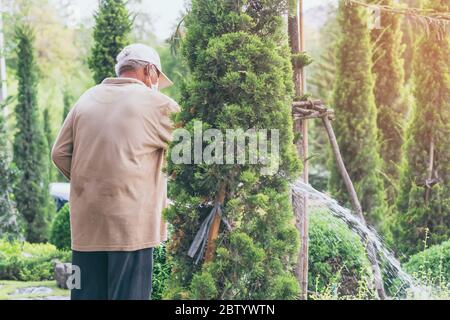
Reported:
(114, 275)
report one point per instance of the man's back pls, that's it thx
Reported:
(112, 148)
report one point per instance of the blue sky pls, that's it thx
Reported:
(165, 13)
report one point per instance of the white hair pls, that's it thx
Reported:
(129, 65)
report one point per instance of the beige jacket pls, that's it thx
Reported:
(112, 149)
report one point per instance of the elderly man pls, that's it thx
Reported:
(112, 149)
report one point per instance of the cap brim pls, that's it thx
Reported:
(164, 81)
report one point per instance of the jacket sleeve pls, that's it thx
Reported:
(63, 147)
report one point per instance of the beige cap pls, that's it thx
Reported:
(142, 52)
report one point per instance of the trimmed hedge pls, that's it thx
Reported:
(60, 230)
(29, 262)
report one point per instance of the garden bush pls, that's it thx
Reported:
(161, 272)
(337, 257)
(60, 230)
(431, 265)
(29, 262)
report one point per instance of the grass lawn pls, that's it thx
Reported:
(8, 290)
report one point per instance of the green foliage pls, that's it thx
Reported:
(321, 77)
(111, 35)
(203, 286)
(29, 262)
(428, 135)
(301, 60)
(67, 102)
(48, 132)
(356, 116)
(432, 264)
(241, 78)
(409, 40)
(175, 68)
(323, 71)
(161, 272)
(30, 145)
(60, 230)
(337, 257)
(10, 227)
(390, 95)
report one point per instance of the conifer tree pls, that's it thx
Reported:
(324, 69)
(241, 77)
(67, 104)
(320, 80)
(111, 32)
(424, 203)
(30, 145)
(408, 40)
(10, 227)
(356, 113)
(389, 93)
(49, 138)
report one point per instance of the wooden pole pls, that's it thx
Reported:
(371, 252)
(297, 43)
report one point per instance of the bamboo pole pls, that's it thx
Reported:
(297, 43)
(371, 252)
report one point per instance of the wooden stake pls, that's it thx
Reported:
(371, 252)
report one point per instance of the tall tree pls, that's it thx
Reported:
(390, 96)
(30, 145)
(241, 78)
(322, 77)
(355, 125)
(67, 103)
(111, 33)
(10, 227)
(48, 132)
(3, 84)
(323, 70)
(424, 203)
(409, 36)
(68, 100)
